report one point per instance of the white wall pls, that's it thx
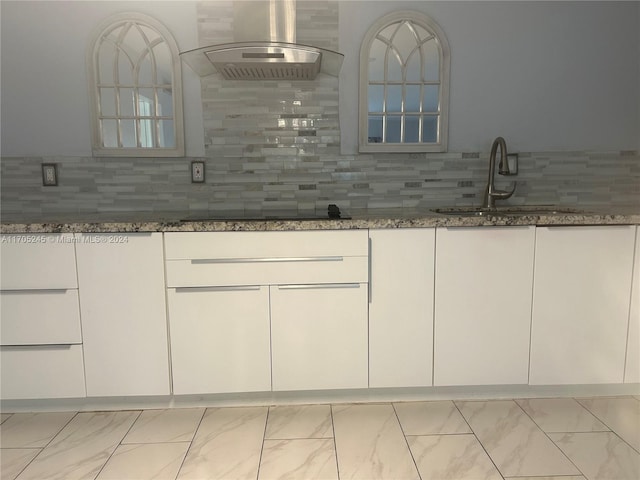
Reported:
(545, 75)
(45, 106)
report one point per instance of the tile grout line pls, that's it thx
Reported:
(335, 446)
(477, 439)
(119, 443)
(550, 439)
(195, 432)
(415, 463)
(607, 425)
(48, 443)
(566, 431)
(264, 434)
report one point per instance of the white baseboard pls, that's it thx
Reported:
(485, 392)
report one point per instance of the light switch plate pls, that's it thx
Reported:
(197, 172)
(49, 174)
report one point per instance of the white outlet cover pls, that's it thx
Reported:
(197, 172)
(49, 174)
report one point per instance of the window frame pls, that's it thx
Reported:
(428, 24)
(93, 62)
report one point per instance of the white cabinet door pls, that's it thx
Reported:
(632, 365)
(483, 305)
(123, 313)
(41, 371)
(319, 336)
(40, 317)
(581, 304)
(401, 307)
(37, 261)
(220, 339)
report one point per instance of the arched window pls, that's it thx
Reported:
(404, 85)
(135, 82)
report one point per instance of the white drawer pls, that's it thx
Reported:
(42, 372)
(267, 271)
(37, 261)
(32, 317)
(221, 245)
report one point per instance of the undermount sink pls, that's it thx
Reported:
(507, 210)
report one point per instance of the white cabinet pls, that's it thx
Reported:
(40, 317)
(581, 304)
(246, 307)
(220, 339)
(319, 336)
(41, 341)
(38, 261)
(124, 322)
(632, 364)
(482, 305)
(401, 307)
(42, 371)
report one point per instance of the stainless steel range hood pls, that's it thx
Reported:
(264, 47)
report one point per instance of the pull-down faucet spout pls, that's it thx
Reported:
(490, 192)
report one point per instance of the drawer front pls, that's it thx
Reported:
(220, 245)
(42, 372)
(268, 271)
(32, 317)
(37, 261)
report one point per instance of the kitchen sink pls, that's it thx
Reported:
(508, 211)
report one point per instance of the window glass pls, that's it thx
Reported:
(136, 85)
(404, 82)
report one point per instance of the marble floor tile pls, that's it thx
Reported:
(157, 461)
(430, 418)
(227, 444)
(303, 421)
(600, 455)
(564, 477)
(13, 461)
(173, 425)
(32, 430)
(620, 414)
(81, 449)
(561, 415)
(452, 457)
(299, 459)
(514, 442)
(370, 444)
(4, 416)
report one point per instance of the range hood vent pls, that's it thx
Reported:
(271, 55)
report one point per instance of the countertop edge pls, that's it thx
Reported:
(382, 222)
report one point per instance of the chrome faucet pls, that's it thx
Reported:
(490, 192)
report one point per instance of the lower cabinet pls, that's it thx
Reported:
(261, 311)
(124, 321)
(220, 339)
(40, 333)
(401, 307)
(319, 336)
(42, 371)
(483, 305)
(581, 298)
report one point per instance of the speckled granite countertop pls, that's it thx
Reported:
(379, 218)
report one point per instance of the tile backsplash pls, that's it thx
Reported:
(302, 183)
(276, 146)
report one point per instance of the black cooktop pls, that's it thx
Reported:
(332, 213)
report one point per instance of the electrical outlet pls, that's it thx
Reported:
(197, 172)
(49, 174)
